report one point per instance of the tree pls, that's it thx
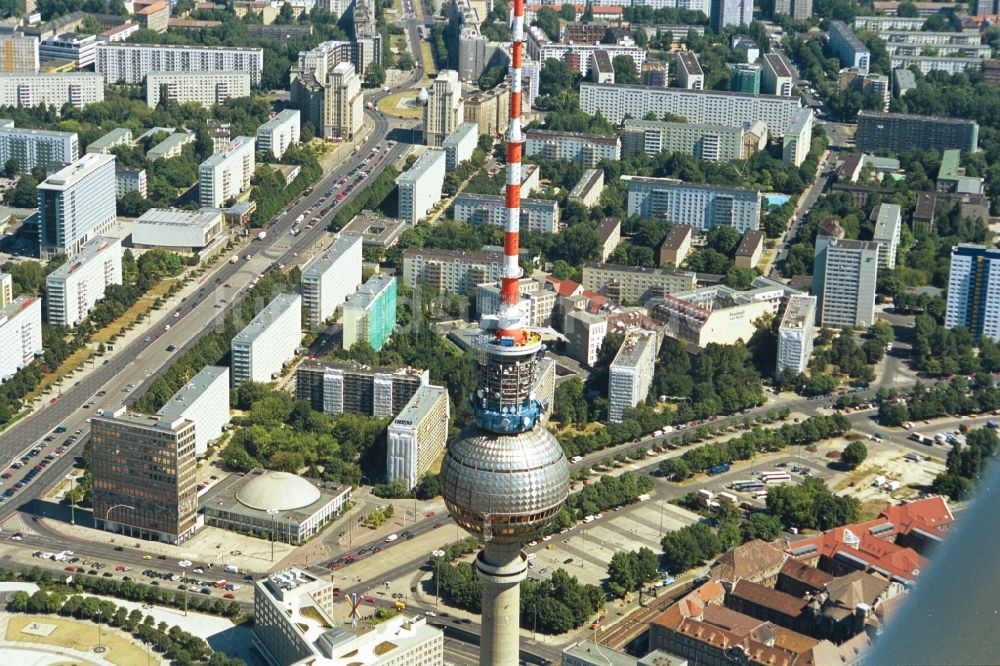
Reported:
(28, 277)
(739, 277)
(854, 454)
(374, 75)
(548, 21)
(24, 194)
(724, 239)
(428, 487)
(760, 526)
(567, 13)
(12, 167)
(625, 69)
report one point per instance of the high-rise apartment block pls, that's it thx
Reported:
(460, 144)
(800, 10)
(776, 76)
(226, 174)
(853, 53)
(689, 72)
(350, 388)
(900, 132)
(269, 341)
(699, 205)
(714, 143)
(444, 110)
(75, 204)
(205, 88)
(795, 334)
(370, 313)
(974, 290)
(130, 63)
(279, 133)
(587, 149)
(6, 289)
(145, 482)
(18, 54)
(450, 271)
(20, 334)
(416, 438)
(631, 373)
(73, 289)
(536, 214)
(744, 78)
(32, 148)
(328, 279)
(844, 277)
(343, 108)
(797, 139)
(203, 400)
(615, 102)
(56, 90)
(888, 222)
(420, 185)
(725, 13)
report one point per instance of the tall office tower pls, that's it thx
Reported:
(844, 276)
(327, 280)
(18, 54)
(730, 12)
(974, 290)
(343, 105)
(75, 204)
(144, 475)
(795, 334)
(444, 110)
(505, 478)
(631, 373)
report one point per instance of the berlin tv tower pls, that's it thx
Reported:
(505, 478)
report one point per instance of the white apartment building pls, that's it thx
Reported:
(328, 279)
(537, 302)
(888, 223)
(631, 373)
(226, 174)
(689, 72)
(798, 137)
(698, 205)
(420, 186)
(130, 63)
(776, 76)
(119, 136)
(20, 334)
(927, 64)
(18, 54)
(416, 438)
(845, 273)
(77, 48)
(204, 400)
(343, 103)
(6, 289)
(881, 24)
(450, 271)
(130, 180)
(56, 90)
(589, 188)
(181, 230)
(279, 133)
(444, 110)
(72, 289)
(714, 143)
(540, 49)
(75, 204)
(795, 334)
(204, 88)
(293, 624)
(585, 332)
(587, 149)
(635, 284)
(460, 144)
(37, 148)
(697, 106)
(269, 341)
(536, 214)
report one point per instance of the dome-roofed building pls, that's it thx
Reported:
(263, 502)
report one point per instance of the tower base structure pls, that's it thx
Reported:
(501, 567)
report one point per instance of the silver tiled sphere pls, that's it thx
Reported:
(519, 481)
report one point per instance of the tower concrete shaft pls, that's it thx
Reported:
(501, 567)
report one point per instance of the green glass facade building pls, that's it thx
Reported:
(745, 78)
(370, 314)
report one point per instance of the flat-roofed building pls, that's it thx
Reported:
(655, 73)
(795, 334)
(713, 143)
(204, 88)
(32, 148)
(328, 279)
(635, 284)
(750, 249)
(460, 144)
(717, 314)
(601, 69)
(797, 139)
(172, 146)
(420, 185)
(536, 214)
(416, 438)
(690, 75)
(584, 333)
(80, 50)
(587, 149)
(882, 24)
(18, 54)
(537, 302)
(631, 373)
(294, 624)
(676, 245)
(450, 271)
(370, 313)
(73, 289)
(187, 230)
(710, 107)
(343, 104)
(490, 110)
(154, 16)
(888, 223)
(335, 387)
(130, 63)
(119, 136)
(27, 91)
(75, 204)
(776, 75)
(204, 400)
(20, 334)
(269, 341)
(226, 174)
(378, 233)
(853, 53)
(845, 273)
(279, 133)
(589, 188)
(130, 180)
(145, 482)
(900, 132)
(700, 205)
(6, 289)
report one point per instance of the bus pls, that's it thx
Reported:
(748, 486)
(728, 496)
(775, 477)
(760, 495)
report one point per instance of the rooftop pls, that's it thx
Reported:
(152, 421)
(234, 145)
(887, 221)
(375, 229)
(848, 36)
(194, 389)
(752, 239)
(270, 495)
(15, 307)
(74, 173)
(498, 199)
(475, 256)
(602, 61)
(679, 233)
(689, 62)
(112, 138)
(542, 134)
(767, 597)
(802, 116)
(175, 47)
(423, 163)
(177, 138)
(420, 405)
(950, 160)
(278, 305)
(799, 311)
(369, 291)
(462, 131)
(90, 250)
(876, 115)
(747, 561)
(634, 349)
(607, 227)
(204, 218)
(811, 576)
(673, 182)
(360, 369)
(587, 181)
(324, 262)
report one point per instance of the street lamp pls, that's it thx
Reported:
(272, 512)
(107, 514)
(98, 616)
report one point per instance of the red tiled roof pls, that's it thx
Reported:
(930, 516)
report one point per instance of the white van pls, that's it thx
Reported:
(391, 538)
(232, 569)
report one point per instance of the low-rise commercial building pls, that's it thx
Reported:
(370, 313)
(718, 314)
(204, 88)
(676, 245)
(75, 287)
(27, 91)
(536, 214)
(700, 205)
(587, 149)
(328, 279)
(634, 284)
(80, 50)
(204, 400)
(183, 230)
(227, 174)
(631, 373)
(416, 438)
(420, 185)
(20, 334)
(795, 334)
(377, 233)
(32, 148)
(588, 190)
(350, 388)
(269, 341)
